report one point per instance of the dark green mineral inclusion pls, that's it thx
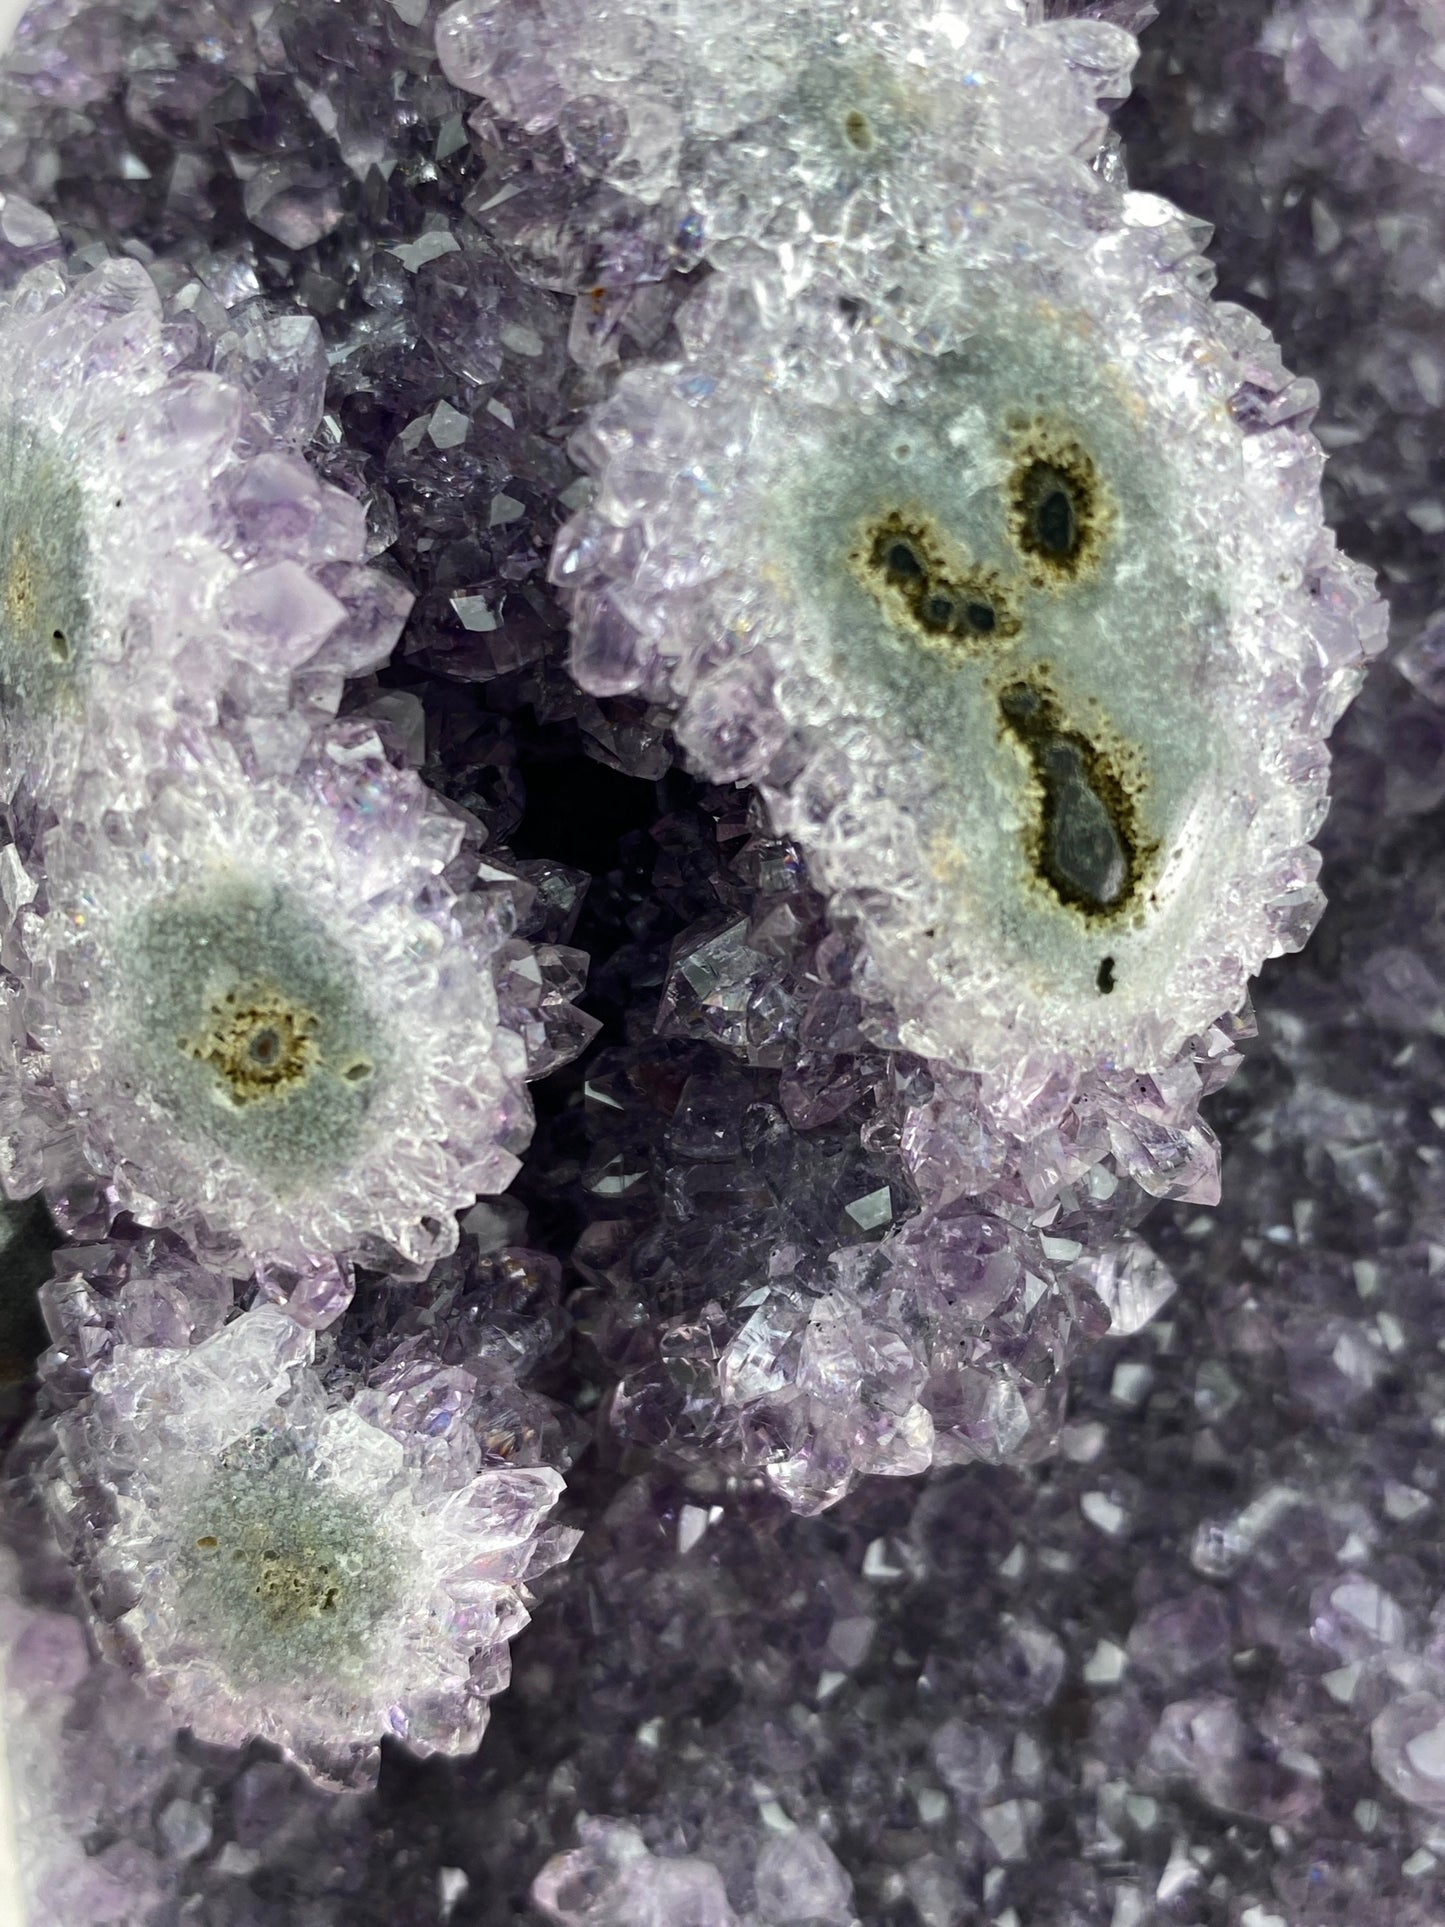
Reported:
(1087, 848)
(1056, 526)
(957, 606)
(1058, 509)
(856, 130)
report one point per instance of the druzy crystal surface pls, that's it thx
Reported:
(992, 1363)
(1005, 583)
(831, 127)
(291, 1563)
(166, 553)
(1015, 604)
(264, 1016)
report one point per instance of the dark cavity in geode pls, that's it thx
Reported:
(1086, 846)
(1057, 507)
(948, 603)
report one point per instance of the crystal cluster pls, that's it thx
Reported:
(763, 1275)
(273, 997)
(164, 550)
(833, 128)
(1013, 598)
(88, 1752)
(1001, 574)
(282, 1546)
(834, 1359)
(254, 1009)
(956, 635)
(1377, 61)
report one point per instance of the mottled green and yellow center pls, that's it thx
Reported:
(280, 1576)
(289, 1584)
(260, 1043)
(252, 1026)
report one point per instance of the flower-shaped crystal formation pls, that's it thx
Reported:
(161, 555)
(1016, 603)
(276, 1566)
(839, 125)
(265, 1018)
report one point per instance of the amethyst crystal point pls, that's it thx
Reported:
(161, 557)
(262, 1011)
(127, 1291)
(611, 1880)
(448, 1359)
(836, 128)
(278, 1559)
(1017, 605)
(1377, 60)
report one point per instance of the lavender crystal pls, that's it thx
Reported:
(884, 1162)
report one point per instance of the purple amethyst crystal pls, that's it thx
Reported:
(838, 131)
(166, 555)
(938, 615)
(267, 1009)
(1145, 1625)
(281, 1561)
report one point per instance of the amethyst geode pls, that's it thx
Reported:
(973, 557)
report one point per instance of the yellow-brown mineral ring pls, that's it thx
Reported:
(1059, 509)
(260, 1043)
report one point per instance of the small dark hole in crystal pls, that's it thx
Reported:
(859, 133)
(1055, 523)
(1105, 978)
(1087, 850)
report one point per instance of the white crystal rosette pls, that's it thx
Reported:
(162, 555)
(273, 1565)
(1015, 600)
(256, 1011)
(837, 128)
